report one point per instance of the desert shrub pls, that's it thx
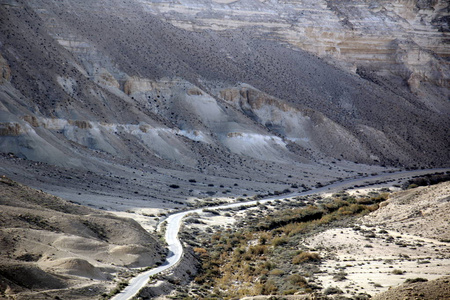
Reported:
(305, 257)
(290, 292)
(247, 256)
(297, 279)
(426, 180)
(269, 288)
(377, 285)
(327, 219)
(380, 197)
(335, 205)
(231, 265)
(351, 209)
(120, 286)
(414, 280)
(340, 194)
(341, 276)
(258, 249)
(290, 216)
(211, 211)
(201, 252)
(355, 209)
(295, 228)
(276, 272)
(365, 201)
(238, 252)
(397, 272)
(373, 199)
(278, 241)
(332, 291)
(269, 265)
(362, 296)
(262, 240)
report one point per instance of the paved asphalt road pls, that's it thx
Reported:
(175, 252)
(174, 222)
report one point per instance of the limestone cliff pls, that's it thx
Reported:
(250, 96)
(409, 38)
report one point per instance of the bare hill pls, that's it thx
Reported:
(51, 247)
(421, 211)
(406, 238)
(438, 289)
(115, 88)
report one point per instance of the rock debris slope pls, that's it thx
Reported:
(186, 97)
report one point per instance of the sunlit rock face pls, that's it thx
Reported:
(253, 90)
(409, 38)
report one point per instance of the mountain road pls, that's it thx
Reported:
(175, 248)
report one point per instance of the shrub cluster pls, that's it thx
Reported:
(263, 257)
(429, 179)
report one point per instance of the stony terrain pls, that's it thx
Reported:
(435, 289)
(114, 88)
(408, 39)
(372, 256)
(50, 247)
(146, 107)
(406, 238)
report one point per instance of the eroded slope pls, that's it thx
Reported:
(48, 243)
(113, 88)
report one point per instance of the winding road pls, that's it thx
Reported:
(175, 249)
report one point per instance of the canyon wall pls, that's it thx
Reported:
(256, 90)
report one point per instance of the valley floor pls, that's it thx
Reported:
(405, 241)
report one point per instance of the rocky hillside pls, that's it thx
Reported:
(52, 247)
(202, 98)
(407, 39)
(354, 244)
(435, 289)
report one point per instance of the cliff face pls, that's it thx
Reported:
(407, 38)
(223, 89)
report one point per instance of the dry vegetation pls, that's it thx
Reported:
(351, 245)
(263, 254)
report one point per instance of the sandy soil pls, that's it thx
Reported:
(383, 249)
(438, 289)
(49, 246)
(391, 244)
